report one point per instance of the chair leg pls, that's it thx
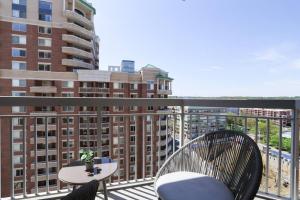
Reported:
(104, 190)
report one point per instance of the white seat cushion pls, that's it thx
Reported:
(191, 186)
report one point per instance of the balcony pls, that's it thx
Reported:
(77, 52)
(77, 63)
(283, 169)
(72, 39)
(78, 18)
(93, 90)
(78, 30)
(164, 92)
(43, 89)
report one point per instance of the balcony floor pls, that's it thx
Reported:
(135, 193)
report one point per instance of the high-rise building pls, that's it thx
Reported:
(49, 48)
(200, 120)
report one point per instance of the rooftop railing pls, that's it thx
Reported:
(34, 146)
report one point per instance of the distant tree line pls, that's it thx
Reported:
(274, 131)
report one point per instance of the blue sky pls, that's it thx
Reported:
(209, 47)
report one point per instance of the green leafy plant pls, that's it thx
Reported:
(87, 156)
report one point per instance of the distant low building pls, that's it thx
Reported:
(273, 113)
(128, 66)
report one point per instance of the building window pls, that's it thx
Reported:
(18, 39)
(17, 134)
(18, 159)
(65, 155)
(65, 144)
(17, 121)
(68, 84)
(132, 169)
(45, 30)
(132, 138)
(18, 172)
(18, 94)
(119, 129)
(66, 119)
(17, 147)
(18, 83)
(18, 109)
(18, 52)
(45, 42)
(150, 108)
(19, 27)
(132, 118)
(44, 67)
(133, 108)
(19, 8)
(68, 108)
(16, 65)
(65, 131)
(44, 54)
(133, 86)
(18, 185)
(150, 85)
(45, 11)
(132, 128)
(118, 108)
(118, 85)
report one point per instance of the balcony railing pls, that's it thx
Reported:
(78, 18)
(72, 39)
(76, 63)
(151, 136)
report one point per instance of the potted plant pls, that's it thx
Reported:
(87, 156)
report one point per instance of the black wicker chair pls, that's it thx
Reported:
(230, 158)
(85, 192)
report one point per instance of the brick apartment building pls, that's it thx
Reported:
(49, 48)
(285, 114)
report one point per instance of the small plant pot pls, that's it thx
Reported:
(89, 166)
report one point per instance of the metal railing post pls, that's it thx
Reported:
(12, 189)
(99, 131)
(294, 170)
(181, 133)
(0, 157)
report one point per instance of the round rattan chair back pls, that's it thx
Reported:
(229, 156)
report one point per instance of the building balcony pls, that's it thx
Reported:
(80, 31)
(50, 127)
(164, 92)
(88, 125)
(51, 139)
(77, 52)
(161, 133)
(93, 90)
(43, 152)
(72, 39)
(279, 181)
(43, 177)
(43, 89)
(77, 63)
(79, 19)
(43, 164)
